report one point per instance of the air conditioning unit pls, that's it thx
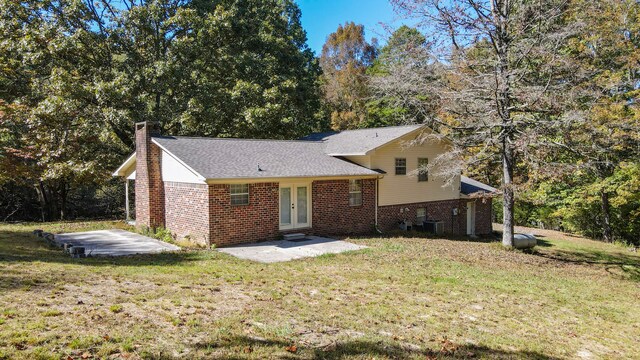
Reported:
(434, 226)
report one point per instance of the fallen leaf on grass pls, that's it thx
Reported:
(248, 350)
(292, 348)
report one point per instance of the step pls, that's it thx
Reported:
(296, 236)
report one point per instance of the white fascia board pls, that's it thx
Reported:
(121, 170)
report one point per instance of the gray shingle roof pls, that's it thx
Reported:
(216, 158)
(359, 142)
(468, 186)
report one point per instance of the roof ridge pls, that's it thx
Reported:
(377, 128)
(236, 139)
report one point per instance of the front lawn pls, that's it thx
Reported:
(400, 298)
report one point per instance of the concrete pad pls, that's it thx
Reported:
(284, 250)
(114, 243)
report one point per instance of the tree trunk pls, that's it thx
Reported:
(42, 199)
(63, 200)
(507, 195)
(607, 233)
(502, 42)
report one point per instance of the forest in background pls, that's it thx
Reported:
(75, 75)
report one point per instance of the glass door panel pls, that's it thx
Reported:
(285, 206)
(302, 209)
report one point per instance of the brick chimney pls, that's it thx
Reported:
(149, 186)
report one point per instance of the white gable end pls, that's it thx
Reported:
(174, 171)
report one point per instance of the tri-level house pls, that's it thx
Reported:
(227, 191)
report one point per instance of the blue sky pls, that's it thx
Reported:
(322, 17)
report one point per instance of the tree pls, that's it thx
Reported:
(231, 68)
(604, 131)
(406, 49)
(76, 75)
(346, 55)
(500, 71)
(52, 129)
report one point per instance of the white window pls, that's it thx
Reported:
(401, 166)
(239, 194)
(422, 169)
(355, 192)
(421, 215)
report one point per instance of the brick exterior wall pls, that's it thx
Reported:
(332, 214)
(484, 217)
(389, 216)
(187, 211)
(149, 188)
(204, 212)
(235, 224)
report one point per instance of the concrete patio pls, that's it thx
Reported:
(114, 243)
(286, 250)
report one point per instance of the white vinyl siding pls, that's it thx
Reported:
(174, 171)
(239, 194)
(355, 192)
(394, 190)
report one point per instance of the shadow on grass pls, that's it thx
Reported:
(628, 264)
(368, 348)
(416, 234)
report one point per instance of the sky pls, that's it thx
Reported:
(322, 17)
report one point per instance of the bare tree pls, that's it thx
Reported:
(496, 69)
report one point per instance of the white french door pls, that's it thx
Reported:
(295, 206)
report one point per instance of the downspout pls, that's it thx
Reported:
(376, 210)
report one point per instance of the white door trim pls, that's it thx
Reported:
(471, 218)
(294, 206)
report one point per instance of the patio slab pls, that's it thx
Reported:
(285, 250)
(114, 243)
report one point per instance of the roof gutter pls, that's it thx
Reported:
(284, 178)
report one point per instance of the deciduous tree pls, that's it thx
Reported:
(345, 58)
(500, 72)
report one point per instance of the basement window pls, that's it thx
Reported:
(355, 192)
(401, 166)
(421, 215)
(239, 194)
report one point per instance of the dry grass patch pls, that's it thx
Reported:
(400, 298)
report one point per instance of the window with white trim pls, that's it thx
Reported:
(401, 166)
(239, 194)
(423, 175)
(355, 192)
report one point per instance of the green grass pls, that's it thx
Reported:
(403, 297)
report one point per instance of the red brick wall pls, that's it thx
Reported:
(149, 188)
(332, 214)
(389, 216)
(483, 216)
(234, 224)
(187, 211)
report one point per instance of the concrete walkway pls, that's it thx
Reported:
(114, 243)
(284, 250)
